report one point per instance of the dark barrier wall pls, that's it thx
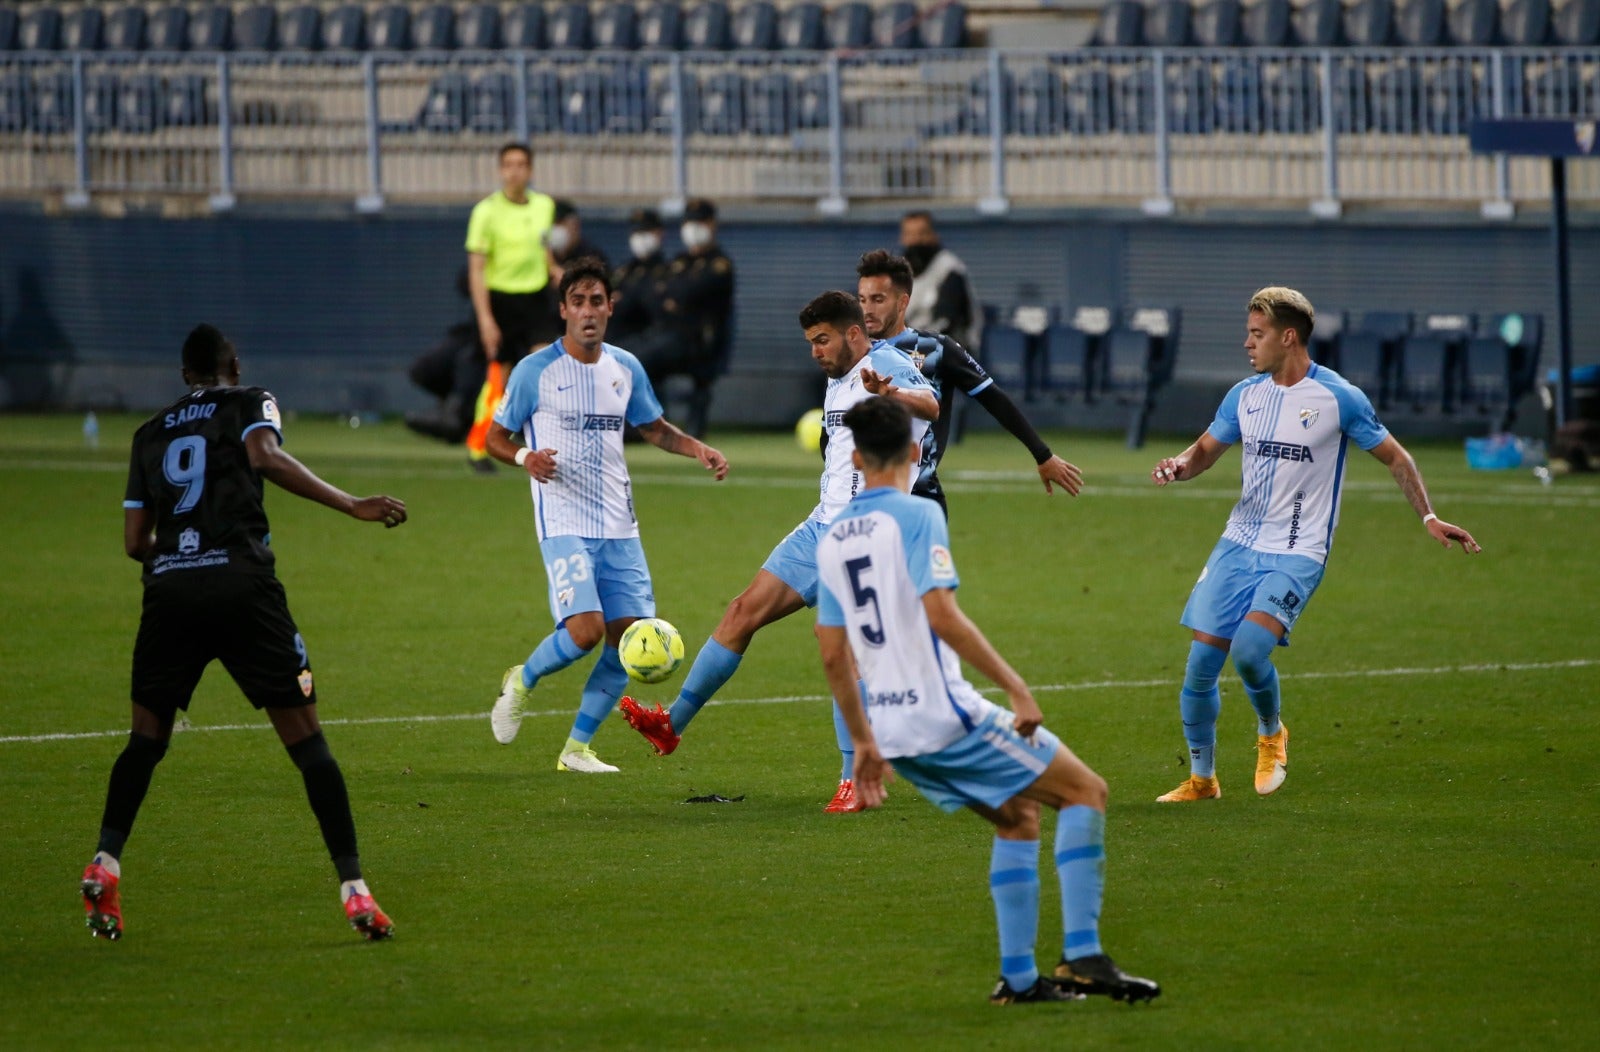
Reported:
(330, 311)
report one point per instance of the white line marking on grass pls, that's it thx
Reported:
(1105, 684)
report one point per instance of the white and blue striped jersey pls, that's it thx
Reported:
(578, 410)
(840, 480)
(882, 554)
(1293, 458)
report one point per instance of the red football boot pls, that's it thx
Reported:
(102, 902)
(655, 724)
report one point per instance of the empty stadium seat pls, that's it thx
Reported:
(183, 101)
(720, 104)
(583, 103)
(1575, 23)
(1088, 101)
(1216, 23)
(1473, 23)
(1452, 97)
(444, 110)
(83, 30)
(139, 111)
(1317, 23)
(567, 28)
(1121, 24)
(1419, 23)
(849, 25)
(616, 27)
(974, 119)
(896, 26)
(300, 29)
(8, 36)
(210, 28)
(1525, 23)
(708, 27)
(390, 28)
(945, 26)
(1039, 105)
(478, 28)
(1074, 351)
(40, 29)
(256, 28)
(801, 27)
(345, 29)
(812, 102)
(1369, 23)
(16, 100)
(1191, 97)
(629, 99)
(1266, 23)
(523, 27)
(50, 103)
(492, 105)
(755, 26)
(544, 102)
(1166, 23)
(434, 28)
(1434, 361)
(1009, 353)
(661, 26)
(1396, 97)
(1369, 353)
(1291, 97)
(1325, 334)
(125, 29)
(768, 104)
(102, 101)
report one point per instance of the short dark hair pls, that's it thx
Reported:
(589, 268)
(522, 147)
(882, 429)
(206, 351)
(839, 309)
(919, 213)
(881, 263)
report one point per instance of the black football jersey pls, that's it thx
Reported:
(190, 465)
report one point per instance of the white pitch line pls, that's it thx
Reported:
(1051, 688)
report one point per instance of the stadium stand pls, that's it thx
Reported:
(616, 27)
(661, 27)
(849, 26)
(1216, 23)
(568, 28)
(434, 28)
(708, 27)
(40, 30)
(1433, 361)
(210, 28)
(755, 26)
(524, 27)
(801, 27)
(83, 29)
(1267, 23)
(478, 27)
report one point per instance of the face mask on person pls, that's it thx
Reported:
(695, 235)
(558, 238)
(643, 244)
(919, 256)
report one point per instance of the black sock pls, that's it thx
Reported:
(329, 802)
(130, 781)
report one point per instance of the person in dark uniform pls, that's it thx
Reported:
(452, 370)
(194, 518)
(641, 282)
(884, 287)
(696, 331)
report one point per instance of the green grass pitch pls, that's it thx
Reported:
(1426, 878)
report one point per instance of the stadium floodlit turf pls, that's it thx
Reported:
(1425, 879)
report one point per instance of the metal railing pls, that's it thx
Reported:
(988, 128)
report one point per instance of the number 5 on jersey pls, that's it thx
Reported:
(865, 595)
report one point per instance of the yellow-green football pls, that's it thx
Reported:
(651, 650)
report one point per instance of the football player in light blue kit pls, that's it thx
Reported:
(857, 368)
(568, 403)
(1296, 420)
(886, 610)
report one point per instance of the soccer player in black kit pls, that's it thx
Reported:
(193, 517)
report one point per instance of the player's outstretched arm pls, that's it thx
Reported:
(920, 402)
(1403, 467)
(540, 464)
(270, 461)
(1052, 469)
(663, 435)
(1194, 461)
(953, 626)
(871, 769)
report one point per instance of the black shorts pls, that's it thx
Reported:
(241, 619)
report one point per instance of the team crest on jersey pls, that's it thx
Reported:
(943, 566)
(189, 541)
(1309, 417)
(305, 681)
(269, 413)
(565, 596)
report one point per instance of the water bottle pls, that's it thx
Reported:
(91, 430)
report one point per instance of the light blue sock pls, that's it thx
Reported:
(841, 734)
(1201, 703)
(713, 666)
(600, 694)
(554, 654)
(1081, 864)
(1014, 886)
(1252, 658)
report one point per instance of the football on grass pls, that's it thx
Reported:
(651, 650)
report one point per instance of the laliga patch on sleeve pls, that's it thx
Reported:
(269, 413)
(944, 568)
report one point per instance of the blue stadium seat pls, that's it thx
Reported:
(1487, 375)
(478, 28)
(975, 117)
(544, 102)
(1266, 23)
(1369, 23)
(256, 28)
(1239, 96)
(1525, 23)
(8, 33)
(567, 28)
(40, 29)
(1216, 23)
(345, 29)
(16, 100)
(444, 110)
(1552, 88)
(1191, 97)
(1396, 97)
(1434, 361)
(616, 27)
(755, 26)
(51, 103)
(434, 28)
(721, 104)
(83, 30)
(583, 103)
(1121, 24)
(1317, 23)
(390, 29)
(140, 108)
(184, 103)
(849, 25)
(1166, 23)
(1072, 349)
(1419, 23)
(768, 104)
(1088, 105)
(945, 26)
(523, 27)
(1575, 23)
(811, 101)
(896, 26)
(209, 28)
(661, 26)
(1008, 353)
(1452, 97)
(801, 27)
(665, 104)
(708, 27)
(1040, 104)
(1370, 350)
(102, 101)
(1291, 97)
(300, 29)
(125, 29)
(1325, 336)
(1473, 23)
(630, 102)
(492, 108)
